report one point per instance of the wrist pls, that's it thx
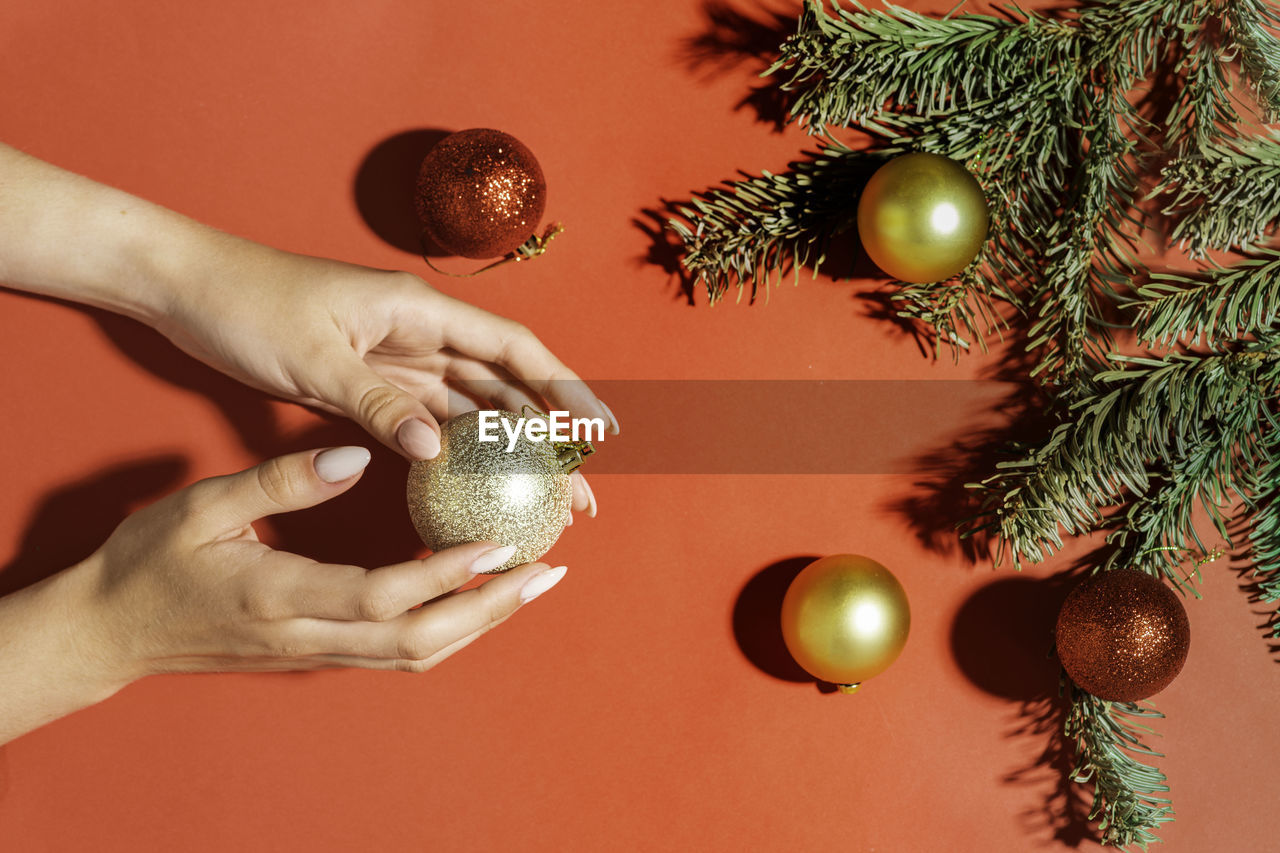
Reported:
(163, 260)
(90, 641)
(53, 660)
(199, 273)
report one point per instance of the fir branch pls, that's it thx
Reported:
(1252, 24)
(1217, 306)
(958, 311)
(1150, 535)
(1126, 792)
(1195, 420)
(1226, 196)
(1202, 112)
(1264, 539)
(1126, 38)
(1088, 260)
(987, 91)
(853, 67)
(758, 229)
(1042, 111)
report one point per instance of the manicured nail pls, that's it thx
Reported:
(541, 583)
(418, 440)
(613, 422)
(341, 463)
(591, 498)
(490, 560)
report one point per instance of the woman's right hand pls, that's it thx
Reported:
(186, 586)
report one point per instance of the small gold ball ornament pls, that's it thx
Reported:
(922, 217)
(479, 490)
(845, 618)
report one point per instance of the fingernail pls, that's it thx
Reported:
(341, 463)
(418, 440)
(613, 422)
(591, 498)
(541, 583)
(490, 560)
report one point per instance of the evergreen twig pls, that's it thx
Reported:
(1108, 738)
(1224, 196)
(1192, 424)
(758, 229)
(1054, 117)
(1218, 306)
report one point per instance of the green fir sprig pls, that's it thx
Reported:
(1163, 382)
(1127, 793)
(1225, 194)
(760, 228)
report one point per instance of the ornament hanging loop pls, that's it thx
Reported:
(529, 249)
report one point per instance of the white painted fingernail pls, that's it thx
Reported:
(613, 422)
(418, 440)
(541, 583)
(591, 498)
(341, 463)
(490, 560)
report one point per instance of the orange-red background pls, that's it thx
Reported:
(642, 704)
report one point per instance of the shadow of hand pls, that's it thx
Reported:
(71, 522)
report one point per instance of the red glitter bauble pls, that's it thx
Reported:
(1123, 635)
(481, 193)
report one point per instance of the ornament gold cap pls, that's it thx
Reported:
(571, 455)
(849, 688)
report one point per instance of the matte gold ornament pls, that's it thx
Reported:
(845, 618)
(1123, 635)
(478, 490)
(922, 217)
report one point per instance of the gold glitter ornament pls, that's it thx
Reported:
(478, 490)
(845, 618)
(481, 193)
(922, 217)
(1123, 635)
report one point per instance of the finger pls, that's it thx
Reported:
(495, 384)
(422, 633)
(284, 484)
(431, 378)
(404, 665)
(459, 404)
(447, 403)
(442, 401)
(390, 414)
(317, 590)
(583, 497)
(481, 335)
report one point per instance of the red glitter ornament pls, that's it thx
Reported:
(481, 193)
(1123, 635)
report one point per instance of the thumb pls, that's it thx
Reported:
(389, 413)
(283, 484)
